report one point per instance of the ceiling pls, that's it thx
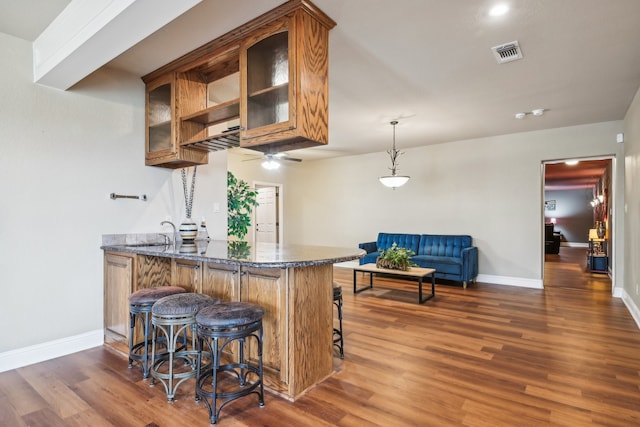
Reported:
(584, 175)
(427, 63)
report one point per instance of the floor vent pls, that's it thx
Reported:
(507, 52)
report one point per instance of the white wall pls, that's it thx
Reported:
(632, 205)
(490, 188)
(61, 154)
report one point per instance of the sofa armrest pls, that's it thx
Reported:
(469, 263)
(369, 246)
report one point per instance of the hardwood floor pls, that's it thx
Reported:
(489, 355)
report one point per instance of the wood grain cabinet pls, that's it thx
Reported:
(298, 314)
(187, 274)
(163, 136)
(266, 287)
(284, 89)
(263, 86)
(119, 282)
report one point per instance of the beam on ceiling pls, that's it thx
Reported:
(90, 33)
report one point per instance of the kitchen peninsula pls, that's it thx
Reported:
(292, 283)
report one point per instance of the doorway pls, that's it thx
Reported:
(268, 213)
(577, 193)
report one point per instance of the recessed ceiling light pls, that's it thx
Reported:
(538, 112)
(499, 10)
(520, 115)
(571, 162)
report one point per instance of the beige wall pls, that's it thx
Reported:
(632, 206)
(490, 188)
(62, 153)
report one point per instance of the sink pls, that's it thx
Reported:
(147, 244)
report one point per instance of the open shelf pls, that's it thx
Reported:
(216, 114)
(220, 141)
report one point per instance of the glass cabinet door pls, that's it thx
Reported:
(159, 119)
(268, 81)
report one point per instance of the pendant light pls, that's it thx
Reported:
(393, 180)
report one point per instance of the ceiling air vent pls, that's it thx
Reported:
(507, 52)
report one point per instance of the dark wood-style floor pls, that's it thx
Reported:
(490, 355)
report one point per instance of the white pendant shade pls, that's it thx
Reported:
(393, 181)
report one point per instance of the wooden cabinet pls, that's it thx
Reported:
(284, 89)
(297, 303)
(597, 258)
(119, 282)
(187, 274)
(163, 136)
(262, 86)
(220, 281)
(266, 287)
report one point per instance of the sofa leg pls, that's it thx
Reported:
(464, 285)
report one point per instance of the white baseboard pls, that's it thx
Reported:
(20, 357)
(632, 307)
(510, 281)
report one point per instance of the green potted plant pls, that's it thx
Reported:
(241, 199)
(395, 258)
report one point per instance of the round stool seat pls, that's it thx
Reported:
(151, 295)
(181, 304)
(229, 315)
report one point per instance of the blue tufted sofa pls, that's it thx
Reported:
(453, 256)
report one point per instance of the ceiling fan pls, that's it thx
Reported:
(272, 161)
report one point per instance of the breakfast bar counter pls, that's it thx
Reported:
(292, 283)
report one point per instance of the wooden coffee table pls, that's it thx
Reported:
(413, 273)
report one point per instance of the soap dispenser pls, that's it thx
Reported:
(203, 234)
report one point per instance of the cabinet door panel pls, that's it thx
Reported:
(118, 283)
(187, 274)
(267, 65)
(219, 281)
(265, 287)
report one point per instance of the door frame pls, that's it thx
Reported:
(612, 206)
(279, 213)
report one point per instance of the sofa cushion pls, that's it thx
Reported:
(442, 264)
(409, 241)
(443, 245)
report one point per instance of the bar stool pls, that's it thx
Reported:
(232, 322)
(171, 316)
(140, 303)
(338, 340)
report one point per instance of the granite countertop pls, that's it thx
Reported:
(241, 253)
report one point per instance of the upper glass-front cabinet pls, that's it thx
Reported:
(159, 119)
(284, 83)
(267, 97)
(162, 138)
(268, 81)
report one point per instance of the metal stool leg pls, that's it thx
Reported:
(338, 339)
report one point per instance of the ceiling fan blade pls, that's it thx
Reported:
(291, 159)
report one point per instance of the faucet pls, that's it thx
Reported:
(174, 230)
